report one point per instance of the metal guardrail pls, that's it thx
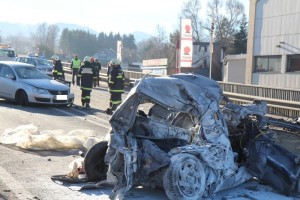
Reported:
(281, 102)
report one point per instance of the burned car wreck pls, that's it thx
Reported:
(179, 133)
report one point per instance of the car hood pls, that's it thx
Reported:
(48, 84)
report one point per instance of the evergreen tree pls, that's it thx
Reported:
(240, 41)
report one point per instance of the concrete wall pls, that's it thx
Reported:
(235, 69)
(277, 21)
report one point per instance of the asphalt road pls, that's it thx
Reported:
(25, 174)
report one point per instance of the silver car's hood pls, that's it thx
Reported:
(48, 84)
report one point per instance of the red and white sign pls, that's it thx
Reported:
(186, 43)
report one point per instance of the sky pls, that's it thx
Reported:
(117, 16)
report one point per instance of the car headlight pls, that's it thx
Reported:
(40, 90)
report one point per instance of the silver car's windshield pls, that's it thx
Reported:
(30, 73)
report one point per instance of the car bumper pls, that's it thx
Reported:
(52, 99)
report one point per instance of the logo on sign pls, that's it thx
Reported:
(187, 50)
(187, 29)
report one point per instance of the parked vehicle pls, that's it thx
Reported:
(40, 63)
(25, 84)
(180, 133)
(6, 53)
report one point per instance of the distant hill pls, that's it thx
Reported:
(8, 29)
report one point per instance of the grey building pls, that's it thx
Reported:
(273, 48)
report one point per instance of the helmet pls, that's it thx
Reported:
(86, 59)
(91, 59)
(55, 57)
(115, 62)
(75, 55)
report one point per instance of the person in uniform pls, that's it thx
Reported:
(116, 80)
(75, 65)
(97, 66)
(86, 75)
(57, 72)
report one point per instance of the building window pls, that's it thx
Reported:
(267, 64)
(293, 63)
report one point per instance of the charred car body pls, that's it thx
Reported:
(171, 132)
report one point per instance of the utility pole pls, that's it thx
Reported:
(211, 48)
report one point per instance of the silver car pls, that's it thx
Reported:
(25, 84)
(40, 63)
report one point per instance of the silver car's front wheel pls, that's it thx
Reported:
(22, 98)
(185, 178)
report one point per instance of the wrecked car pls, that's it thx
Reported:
(181, 134)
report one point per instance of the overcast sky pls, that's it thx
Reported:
(117, 16)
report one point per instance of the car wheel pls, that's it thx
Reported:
(22, 98)
(184, 179)
(94, 165)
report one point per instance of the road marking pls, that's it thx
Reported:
(14, 185)
(98, 118)
(85, 119)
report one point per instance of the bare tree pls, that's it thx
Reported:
(20, 43)
(154, 47)
(52, 36)
(191, 9)
(225, 24)
(171, 51)
(40, 35)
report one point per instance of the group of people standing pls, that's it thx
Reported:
(86, 75)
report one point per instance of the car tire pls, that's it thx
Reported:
(184, 178)
(94, 165)
(22, 98)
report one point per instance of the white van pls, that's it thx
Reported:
(7, 53)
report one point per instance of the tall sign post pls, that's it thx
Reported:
(211, 46)
(177, 56)
(186, 43)
(119, 50)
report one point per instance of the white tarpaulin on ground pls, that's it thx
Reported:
(30, 137)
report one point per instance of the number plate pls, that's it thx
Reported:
(61, 97)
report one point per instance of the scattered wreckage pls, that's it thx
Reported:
(181, 134)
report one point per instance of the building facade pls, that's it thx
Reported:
(273, 48)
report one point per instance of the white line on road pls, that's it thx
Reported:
(14, 185)
(84, 119)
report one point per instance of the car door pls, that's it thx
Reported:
(7, 82)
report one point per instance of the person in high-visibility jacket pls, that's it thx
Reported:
(87, 76)
(75, 65)
(57, 72)
(116, 81)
